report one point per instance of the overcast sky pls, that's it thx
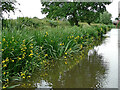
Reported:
(32, 8)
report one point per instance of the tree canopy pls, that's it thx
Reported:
(74, 11)
(105, 18)
(8, 6)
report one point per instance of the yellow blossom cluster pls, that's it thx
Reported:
(61, 44)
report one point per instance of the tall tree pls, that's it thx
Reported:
(74, 11)
(7, 6)
(105, 18)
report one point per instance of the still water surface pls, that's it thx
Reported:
(98, 69)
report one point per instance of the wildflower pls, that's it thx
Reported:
(65, 57)
(29, 84)
(61, 44)
(23, 55)
(81, 46)
(3, 39)
(46, 33)
(5, 65)
(3, 61)
(30, 54)
(65, 62)
(2, 49)
(70, 49)
(31, 51)
(12, 60)
(23, 77)
(44, 61)
(46, 55)
(75, 37)
(81, 37)
(0, 42)
(23, 49)
(31, 44)
(41, 48)
(4, 73)
(4, 87)
(12, 39)
(41, 63)
(29, 76)
(7, 59)
(19, 58)
(31, 47)
(72, 36)
(31, 39)
(7, 80)
(24, 41)
(22, 74)
(66, 53)
(23, 45)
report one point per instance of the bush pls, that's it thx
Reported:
(52, 23)
(105, 18)
(25, 50)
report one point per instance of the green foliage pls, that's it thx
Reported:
(74, 12)
(21, 22)
(8, 6)
(53, 23)
(25, 50)
(105, 18)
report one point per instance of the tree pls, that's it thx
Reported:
(8, 6)
(74, 11)
(105, 18)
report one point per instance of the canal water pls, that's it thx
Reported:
(97, 69)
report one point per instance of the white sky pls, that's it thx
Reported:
(32, 8)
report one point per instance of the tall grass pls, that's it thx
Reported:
(26, 49)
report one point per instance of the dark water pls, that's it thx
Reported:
(96, 69)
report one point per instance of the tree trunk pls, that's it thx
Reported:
(76, 22)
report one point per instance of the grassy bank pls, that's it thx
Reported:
(28, 45)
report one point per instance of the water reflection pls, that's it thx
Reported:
(88, 73)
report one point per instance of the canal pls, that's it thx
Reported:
(96, 69)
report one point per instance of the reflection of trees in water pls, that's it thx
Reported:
(88, 73)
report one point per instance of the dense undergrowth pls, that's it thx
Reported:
(29, 44)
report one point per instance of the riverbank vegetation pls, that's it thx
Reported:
(30, 43)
